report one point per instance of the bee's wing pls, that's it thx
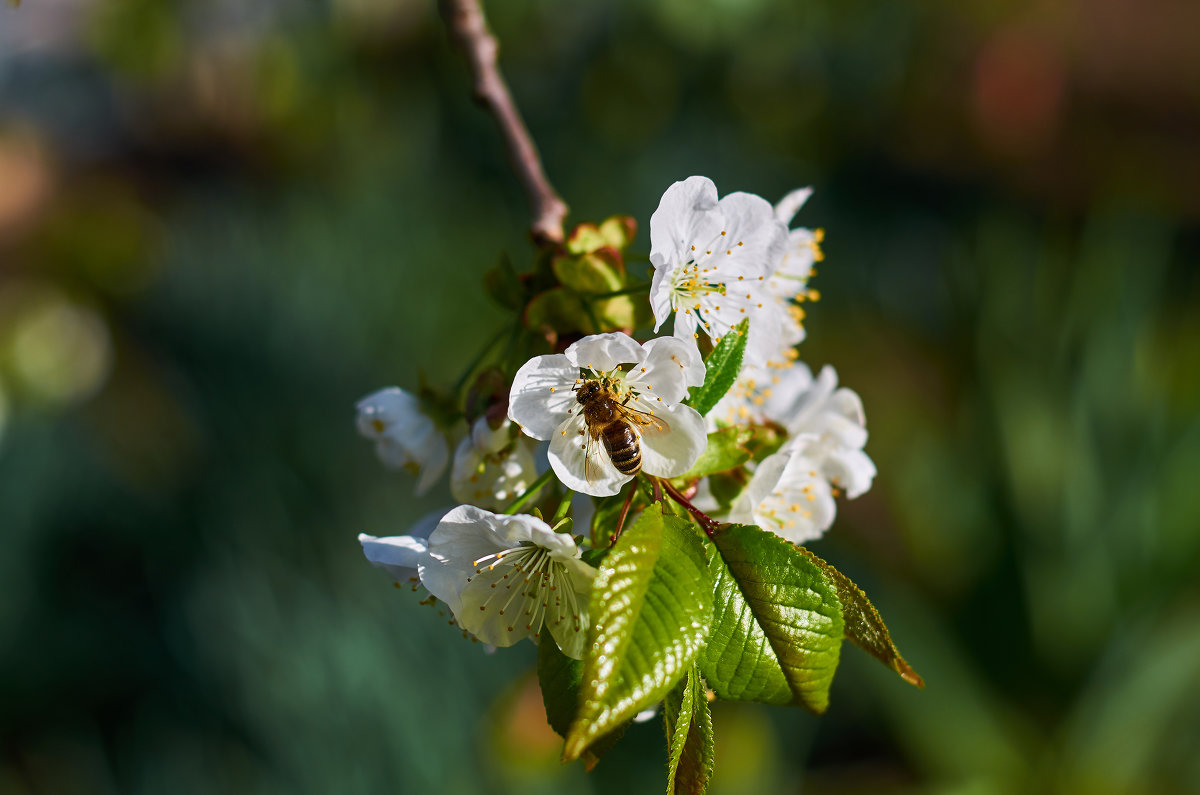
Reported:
(646, 422)
(593, 453)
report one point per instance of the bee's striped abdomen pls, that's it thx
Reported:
(621, 442)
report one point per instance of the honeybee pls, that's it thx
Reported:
(615, 426)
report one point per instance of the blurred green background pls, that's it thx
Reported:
(221, 223)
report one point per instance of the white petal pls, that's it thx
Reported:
(541, 394)
(685, 212)
(436, 454)
(505, 598)
(523, 527)
(567, 619)
(398, 555)
(787, 388)
(673, 452)
(789, 205)
(851, 470)
(660, 295)
(385, 408)
(671, 367)
(603, 352)
(750, 220)
(569, 461)
(463, 536)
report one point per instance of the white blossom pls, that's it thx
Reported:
(826, 425)
(792, 491)
(405, 437)
(492, 466)
(401, 556)
(788, 496)
(649, 380)
(503, 577)
(711, 259)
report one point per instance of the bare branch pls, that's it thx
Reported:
(469, 31)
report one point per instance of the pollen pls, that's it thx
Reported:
(728, 251)
(740, 277)
(551, 389)
(739, 242)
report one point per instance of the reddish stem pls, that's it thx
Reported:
(624, 512)
(707, 523)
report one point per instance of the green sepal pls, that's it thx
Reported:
(598, 272)
(559, 309)
(649, 614)
(687, 720)
(617, 232)
(721, 369)
(777, 623)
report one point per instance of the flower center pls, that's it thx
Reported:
(535, 585)
(693, 285)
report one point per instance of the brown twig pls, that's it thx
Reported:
(469, 31)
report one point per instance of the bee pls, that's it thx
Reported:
(615, 426)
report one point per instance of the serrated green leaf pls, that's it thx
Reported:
(558, 678)
(650, 609)
(688, 723)
(721, 369)
(864, 626)
(726, 450)
(777, 622)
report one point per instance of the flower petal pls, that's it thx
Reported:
(541, 394)
(567, 619)
(685, 213)
(398, 555)
(789, 205)
(603, 352)
(750, 221)
(569, 461)
(673, 452)
(436, 456)
(671, 366)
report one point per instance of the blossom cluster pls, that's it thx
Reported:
(607, 409)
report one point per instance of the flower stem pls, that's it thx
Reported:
(707, 523)
(624, 512)
(533, 489)
(474, 365)
(563, 507)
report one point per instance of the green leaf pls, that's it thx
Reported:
(558, 678)
(726, 450)
(650, 609)
(777, 623)
(864, 625)
(721, 369)
(688, 722)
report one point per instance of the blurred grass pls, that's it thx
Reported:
(220, 225)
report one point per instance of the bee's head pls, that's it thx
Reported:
(585, 391)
